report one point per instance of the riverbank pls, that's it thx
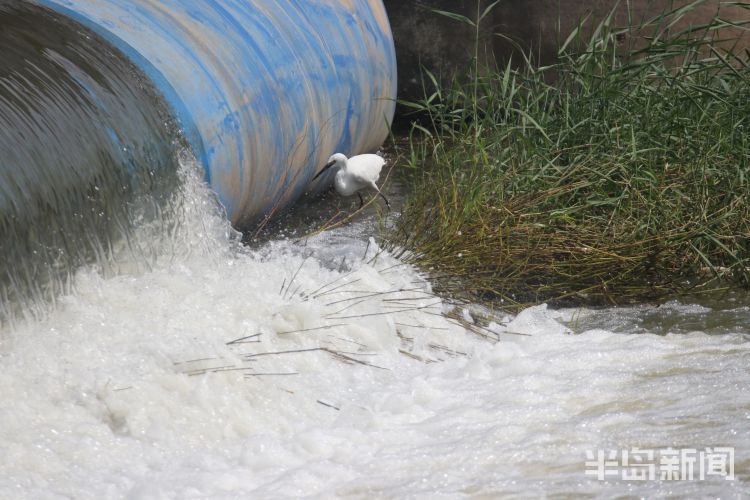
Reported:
(617, 175)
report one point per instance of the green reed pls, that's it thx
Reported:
(618, 174)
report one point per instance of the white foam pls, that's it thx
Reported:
(115, 394)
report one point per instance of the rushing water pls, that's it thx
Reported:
(86, 150)
(323, 367)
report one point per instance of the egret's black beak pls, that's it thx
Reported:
(328, 165)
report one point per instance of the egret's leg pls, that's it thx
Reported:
(376, 188)
(386, 200)
(361, 201)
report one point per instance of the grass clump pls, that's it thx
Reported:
(618, 174)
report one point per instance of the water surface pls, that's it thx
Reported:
(323, 366)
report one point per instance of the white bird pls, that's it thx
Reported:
(355, 173)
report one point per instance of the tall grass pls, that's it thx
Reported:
(618, 174)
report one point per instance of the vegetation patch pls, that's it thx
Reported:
(618, 174)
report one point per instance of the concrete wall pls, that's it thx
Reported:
(424, 38)
(444, 45)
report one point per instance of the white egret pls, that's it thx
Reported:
(355, 173)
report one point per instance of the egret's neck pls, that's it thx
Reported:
(341, 180)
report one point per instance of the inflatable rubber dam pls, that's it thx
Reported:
(98, 98)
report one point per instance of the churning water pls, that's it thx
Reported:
(86, 149)
(324, 367)
(179, 363)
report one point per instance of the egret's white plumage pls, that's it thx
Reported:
(355, 173)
